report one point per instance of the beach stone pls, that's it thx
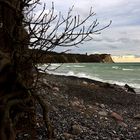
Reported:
(113, 131)
(55, 94)
(68, 136)
(75, 98)
(56, 89)
(129, 89)
(116, 139)
(138, 126)
(137, 116)
(26, 135)
(79, 108)
(92, 109)
(85, 83)
(54, 108)
(81, 101)
(37, 124)
(103, 113)
(120, 123)
(116, 116)
(97, 104)
(77, 129)
(102, 105)
(135, 128)
(75, 103)
(92, 84)
(106, 118)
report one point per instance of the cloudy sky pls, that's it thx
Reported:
(121, 38)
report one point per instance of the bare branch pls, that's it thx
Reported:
(50, 30)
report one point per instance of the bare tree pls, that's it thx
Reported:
(21, 33)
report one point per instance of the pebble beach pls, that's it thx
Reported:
(84, 109)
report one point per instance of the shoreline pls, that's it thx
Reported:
(89, 84)
(119, 74)
(137, 90)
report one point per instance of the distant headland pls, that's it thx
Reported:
(54, 57)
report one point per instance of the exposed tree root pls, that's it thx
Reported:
(7, 131)
(45, 115)
(14, 104)
(10, 104)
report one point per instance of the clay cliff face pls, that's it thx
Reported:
(53, 57)
(106, 58)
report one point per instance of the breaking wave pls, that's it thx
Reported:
(127, 69)
(115, 67)
(119, 74)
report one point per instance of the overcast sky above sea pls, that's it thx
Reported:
(121, 38)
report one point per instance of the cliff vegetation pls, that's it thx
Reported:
(53, 57)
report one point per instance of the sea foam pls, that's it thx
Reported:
(127, 69)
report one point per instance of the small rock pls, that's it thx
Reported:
(77, 129)
(95, 116)
(55, 94)
(138, 126)
(116, 139)
(106, 118)
(102, 105)
(75, 103)
(54, 108)
(116, 116)
(56, 89)
(68, 136)
(26, 135)
(129, 89)
(103, 113)
(91, 109)
(135, 128)
(75, 98)
(122, 124)
(137, 116)
(92, 84)
(82, 101)
(39, 137)
(114, 131)
(97, 104)
(37, 124)
(85, 83)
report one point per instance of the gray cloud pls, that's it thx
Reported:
(122, 37)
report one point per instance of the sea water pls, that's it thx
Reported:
(115, 73)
